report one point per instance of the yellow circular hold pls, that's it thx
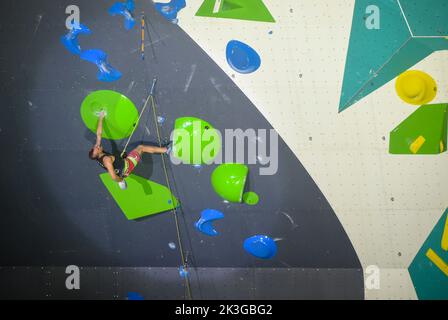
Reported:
(416, 87)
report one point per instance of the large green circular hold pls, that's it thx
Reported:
(228, 181)
(195, 141)
(122, 115)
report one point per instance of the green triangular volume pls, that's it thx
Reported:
(253, 10)
(141, 198)
(423, 132)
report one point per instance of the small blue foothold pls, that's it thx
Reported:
(271, 32)
(182, 272)
(130, 5)
(260, 246)
(98, 57)
(241, 57)
(171, 9)
(70, 40)
(126, 10)
(160, 119)
(134, 296)
(205, 223)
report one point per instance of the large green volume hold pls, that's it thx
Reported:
(141, 198)
(228, 181)
(121, 113)
(195, 141)
(423, 132)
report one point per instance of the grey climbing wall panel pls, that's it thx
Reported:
(56, 212)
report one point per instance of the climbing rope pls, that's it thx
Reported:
(139, 117)
(145, 24)
(165, 171)
(176, 219)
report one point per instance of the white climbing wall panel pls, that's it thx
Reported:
(387, 204)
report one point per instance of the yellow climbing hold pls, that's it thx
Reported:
(442, 148)
(437, 261)
(416, 87)
(417, 144)
(445, 236)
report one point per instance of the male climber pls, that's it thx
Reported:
(117, 166)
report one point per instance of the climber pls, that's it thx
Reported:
(118, 166)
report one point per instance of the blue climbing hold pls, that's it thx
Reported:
(126, 10)
(183, 272)
(171, 9)
(241, 57)
(70, 40)
(130, 5)
(135, 296)
(205, 223)
(106, 72)
(160, 120)
(260, 246)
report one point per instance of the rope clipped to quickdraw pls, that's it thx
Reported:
(176, 219)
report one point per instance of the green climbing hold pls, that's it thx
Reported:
(141, 198)
(254, 10)
(195, 141)
(121, 113)
(251, 198)
(423, 132)
(429, 270)
(228, 181)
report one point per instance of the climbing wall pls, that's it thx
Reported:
(388, 204)
(339, 203)
(95, 226)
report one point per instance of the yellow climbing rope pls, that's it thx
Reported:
(176, 219)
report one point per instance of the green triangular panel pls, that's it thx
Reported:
(428, 124)
(141, 198)
(377, 56)
(429, 280)
(254, 10)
